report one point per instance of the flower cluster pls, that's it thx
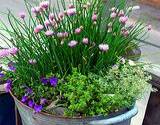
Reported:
(8, 52)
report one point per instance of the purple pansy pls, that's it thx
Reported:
(29, 90)
(24, 99)
(1, 75)
(31, 103)
(38, 108)
(7, 87)
(53, 81)
(44, 80)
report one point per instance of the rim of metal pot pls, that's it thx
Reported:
(117, 119)
(132, 112)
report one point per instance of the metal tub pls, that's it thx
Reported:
(29, 118)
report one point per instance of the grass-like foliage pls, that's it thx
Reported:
(48, 42)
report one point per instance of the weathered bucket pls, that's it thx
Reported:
(29, 118)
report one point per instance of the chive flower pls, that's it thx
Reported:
(32, 61)
(85, 41)
(104, 47)
(49, 33)
(94, 17)
(71, 12)
(113, 15)
(44, 5)
(123, 19)
(38, 28)
(22, 15)
(72, 43)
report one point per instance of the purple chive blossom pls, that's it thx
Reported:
(38, 108)
(71, 6)
(123, 19)
(121, 13)
(31, 103)
(47, 23)
(51, 17)
(60, 35)
(113, 15)
(65, 34)
(4, 53)
(13, 51)
(36, 10)
(60, 15)
(53, 81)
(49, 33)
(71, 12)
(85, 40)
(43, 101)
(32, 61)
(72, 43)
(22, 15)
(78, 31)
(7, 87)
(44, 80)
(103, 47)
(38, 28)
(44, 5)
(94, 17)
(24, 99)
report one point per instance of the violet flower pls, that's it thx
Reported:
(38, 108)
(43, 101)
(53, 81)
(1, 75)
(24, 99)
(31, 103)
(7, 87)
(29, 91)
(44, 80)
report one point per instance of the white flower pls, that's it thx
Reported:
(104, 47)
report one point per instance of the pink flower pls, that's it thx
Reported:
(149, 27)
(4, 53)
(72, 43)
(94, 17)
(85, 41)
(78, 31)
(65, 34)
(71, 6)
(113, 15)
(13, 51)
(71, 12)
(22, 15)
(47, 23)
(60, 15)
(60, 35)
(44, 5)
(36, 10)
(104, 47)
(121, 13)
(49, 33)
(51, 17)
(38, 28)
(32, 61)
(123, 19)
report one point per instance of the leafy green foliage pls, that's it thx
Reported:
(94, 94)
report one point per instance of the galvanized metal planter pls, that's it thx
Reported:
(29, 118)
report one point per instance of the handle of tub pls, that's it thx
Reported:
(126, 116)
